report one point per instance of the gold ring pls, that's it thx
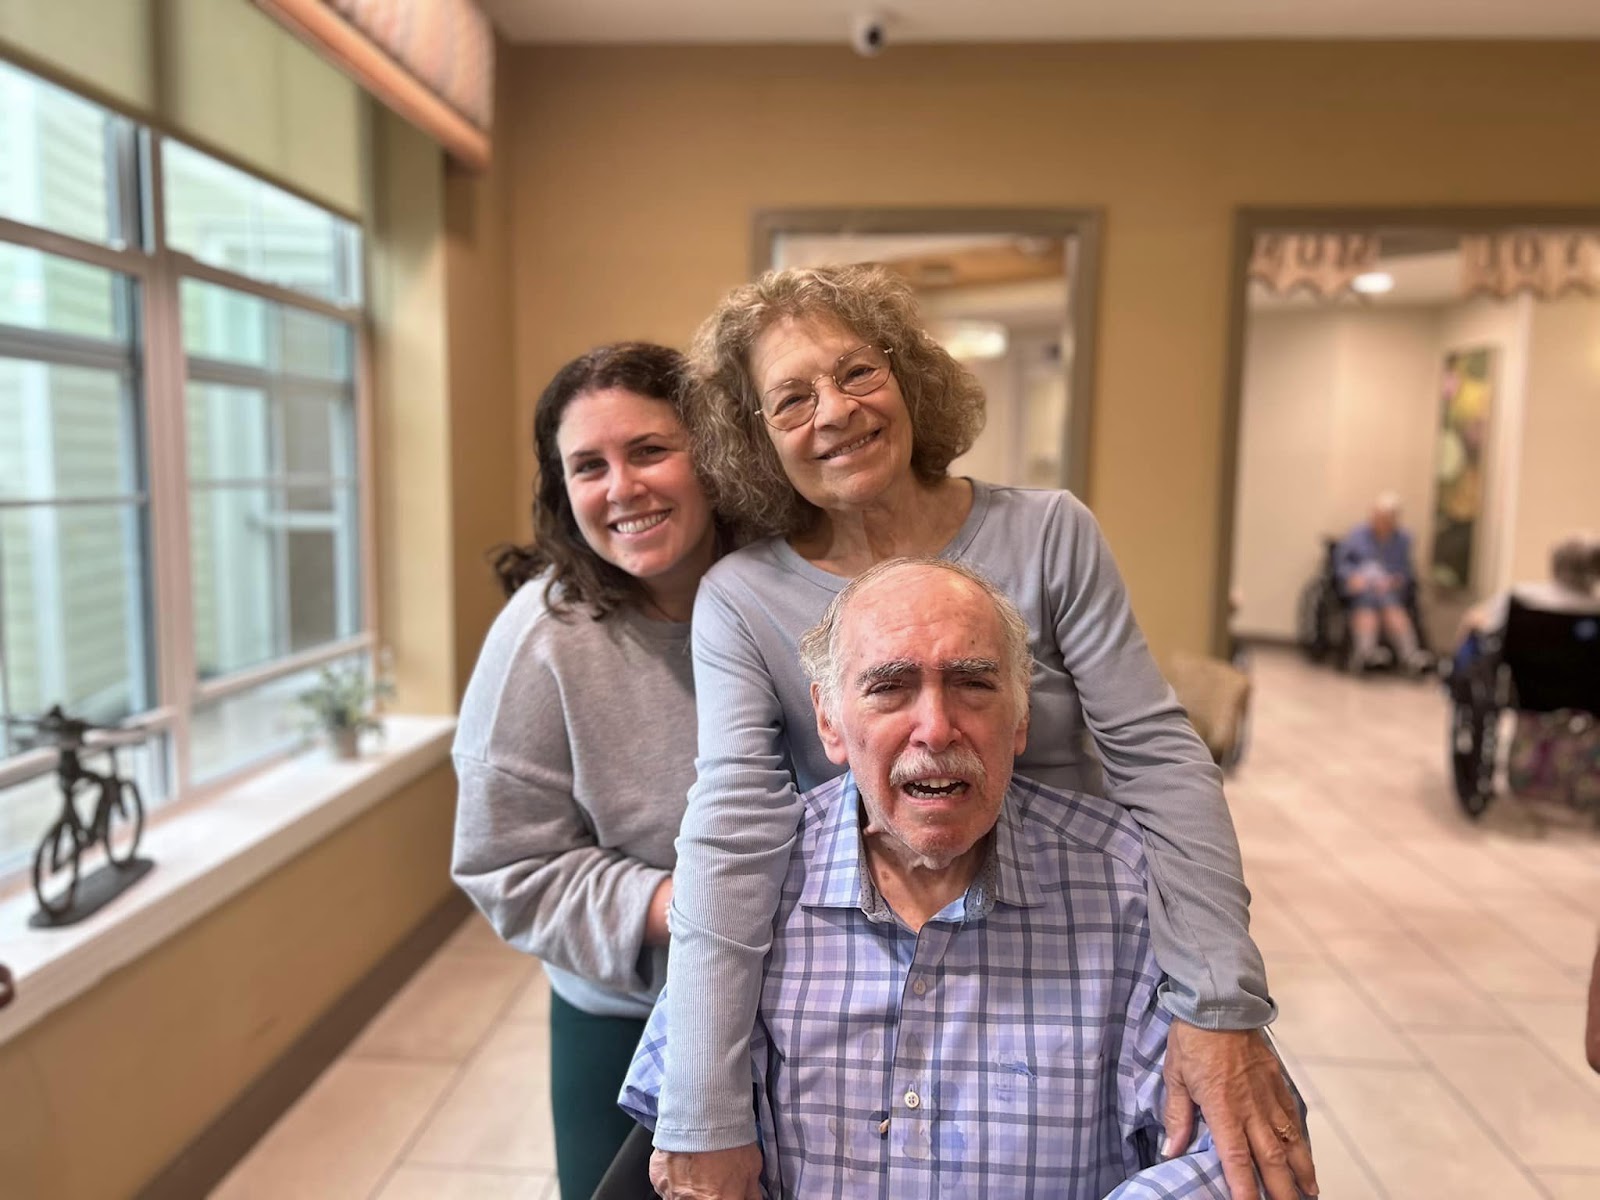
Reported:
(1286, 1133)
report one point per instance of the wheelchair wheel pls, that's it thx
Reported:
(123, 821)
(1472, 755)
(55, 869)
(1316, 611)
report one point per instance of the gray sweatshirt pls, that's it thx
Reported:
(575, 753)
(759, 750)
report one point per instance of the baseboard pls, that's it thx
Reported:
(201, 1165)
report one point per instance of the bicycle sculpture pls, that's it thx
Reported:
(116, 823)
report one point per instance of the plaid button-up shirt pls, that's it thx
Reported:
(1012, 1048)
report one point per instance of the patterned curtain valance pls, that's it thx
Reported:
(432, 61)
(1324, 264)
(1546, 264)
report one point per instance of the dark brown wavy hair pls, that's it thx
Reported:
(577, 577)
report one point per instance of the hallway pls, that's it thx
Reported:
(1431, 976)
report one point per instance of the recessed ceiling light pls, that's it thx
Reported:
(1373, 283)
(974, 341)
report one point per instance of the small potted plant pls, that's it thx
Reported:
(343, 705)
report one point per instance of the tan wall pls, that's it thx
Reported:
(636, 172)
(486, 439)
(412, 438)
(101, 1094)
(1560, 481)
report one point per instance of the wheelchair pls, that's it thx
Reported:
(1322, 617)
(1542, 662)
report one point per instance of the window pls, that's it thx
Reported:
(181, 507)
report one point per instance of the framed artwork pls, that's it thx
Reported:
(1466, 399)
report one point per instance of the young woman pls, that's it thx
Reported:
(576, 745)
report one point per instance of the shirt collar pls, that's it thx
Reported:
(837, 876)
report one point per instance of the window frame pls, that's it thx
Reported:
(137, 248)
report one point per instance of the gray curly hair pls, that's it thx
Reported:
(731, 445)
(1575, 562)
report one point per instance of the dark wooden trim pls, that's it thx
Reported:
(201, 1165)
(1249, 221)
(1083, 226)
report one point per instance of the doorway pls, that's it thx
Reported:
(1444, 359)
(1009, 292)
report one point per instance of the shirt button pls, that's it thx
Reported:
(912, 1099)
(920, 987)
(883, 1129)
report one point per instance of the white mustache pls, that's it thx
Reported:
(958, 761)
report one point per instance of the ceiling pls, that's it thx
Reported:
(750, 21)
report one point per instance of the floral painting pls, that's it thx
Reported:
(1466, 401)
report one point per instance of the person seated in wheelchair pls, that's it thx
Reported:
(1573, 587)
(1555, 754)
(1377, 581)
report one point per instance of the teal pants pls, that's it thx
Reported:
(589, 1059)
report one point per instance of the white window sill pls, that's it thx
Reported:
(204, 856)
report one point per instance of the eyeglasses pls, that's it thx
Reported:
(794, 402)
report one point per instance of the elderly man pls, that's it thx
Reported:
(960, 998)
(1375, 574)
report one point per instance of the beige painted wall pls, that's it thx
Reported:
(636, 172)
(1339, 406)
(102, 1093)
(1560, 490)
(486, 438)
(411, 413)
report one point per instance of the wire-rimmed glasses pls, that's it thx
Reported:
(859, 372)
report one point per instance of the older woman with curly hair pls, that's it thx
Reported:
(825, 420)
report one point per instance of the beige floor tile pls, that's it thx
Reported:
(476, 934)
(1410, 986)
(1557, 1025)
(498, 1114)
(1322, 1016)
(1493, 956)
(1569, 1186)
(532, 1002)
(443, 1183)
(1417, 1138)
(1276, 932)
(1328, 900)
(1542, 1113)
(1340, 1175)
(446, 1008)
(1549, 923)
(342, 1136)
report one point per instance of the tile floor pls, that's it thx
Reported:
(1431, 975)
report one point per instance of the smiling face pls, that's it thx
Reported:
(634, 493)
(855, 447)
(925, 715)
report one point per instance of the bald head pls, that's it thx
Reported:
(820, 645)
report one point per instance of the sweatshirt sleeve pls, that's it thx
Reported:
(1157, 768)
(733, 853)
(524, 851)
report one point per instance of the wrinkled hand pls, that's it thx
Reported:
(1235, 1078)
(714, 1175)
